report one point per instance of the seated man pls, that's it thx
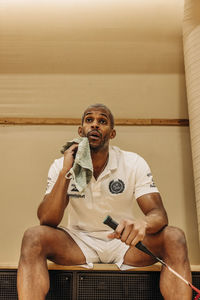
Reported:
(119, 177)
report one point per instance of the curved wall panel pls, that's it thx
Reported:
(191, 34)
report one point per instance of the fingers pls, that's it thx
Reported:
(72, 149)
(117, 233)
(129, 232)
(133, 239)
(69, 156)
(112, 235)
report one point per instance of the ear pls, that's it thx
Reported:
(112, 134)
(80, 131)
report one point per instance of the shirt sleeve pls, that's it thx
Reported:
(144, 183)
(52, 177)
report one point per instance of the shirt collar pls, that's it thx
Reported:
(112, 161)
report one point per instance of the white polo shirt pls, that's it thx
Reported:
(126, 177)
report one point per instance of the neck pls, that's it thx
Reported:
(99, 160)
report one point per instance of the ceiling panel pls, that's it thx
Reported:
(83, 36)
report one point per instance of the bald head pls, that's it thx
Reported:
(102, 107)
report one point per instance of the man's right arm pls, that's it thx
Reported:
(51, 210)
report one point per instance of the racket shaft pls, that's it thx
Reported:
(177, 274)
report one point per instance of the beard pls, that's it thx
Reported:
(97, 148)
(96, 140)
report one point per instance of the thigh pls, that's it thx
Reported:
(55, 244)
(154, 242)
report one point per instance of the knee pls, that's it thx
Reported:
(174, 237)
(175, 242)
(32, 241)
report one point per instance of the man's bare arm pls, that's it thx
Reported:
(155, 214)
(154, 219)
(51, 210)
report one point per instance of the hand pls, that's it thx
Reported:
(69, 156)
(130, 232)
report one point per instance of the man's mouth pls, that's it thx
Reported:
(94, 135)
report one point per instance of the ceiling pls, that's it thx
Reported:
(91, 36)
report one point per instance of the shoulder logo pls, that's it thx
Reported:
(152, 184)
(74, 189)
(116, 186)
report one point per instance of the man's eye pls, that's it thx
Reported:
(88, 120)
(103, 121)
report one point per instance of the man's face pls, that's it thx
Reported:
(97, 128)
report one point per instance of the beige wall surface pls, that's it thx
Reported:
(28, 151)
(66, 95)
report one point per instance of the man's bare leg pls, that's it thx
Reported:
(170, 246)
(39, 244)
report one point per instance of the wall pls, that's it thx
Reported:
(57, 59)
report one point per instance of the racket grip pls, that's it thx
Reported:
(144, 249)
(113, 224)
(110, 222)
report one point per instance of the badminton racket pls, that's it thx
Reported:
(113, 224)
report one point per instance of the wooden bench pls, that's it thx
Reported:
(102, 282)
(99, 266)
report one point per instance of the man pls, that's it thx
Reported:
(119, 177)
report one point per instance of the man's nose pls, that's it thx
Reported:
(95, 124)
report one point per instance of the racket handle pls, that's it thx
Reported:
(110, 222)
(144, 249)
(113, 224)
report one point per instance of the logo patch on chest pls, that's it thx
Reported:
(116, 186)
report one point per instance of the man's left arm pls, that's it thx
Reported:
(155, 214)
(154, 219)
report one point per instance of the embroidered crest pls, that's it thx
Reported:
(116, 186)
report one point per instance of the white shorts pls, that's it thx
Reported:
(95, 250)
